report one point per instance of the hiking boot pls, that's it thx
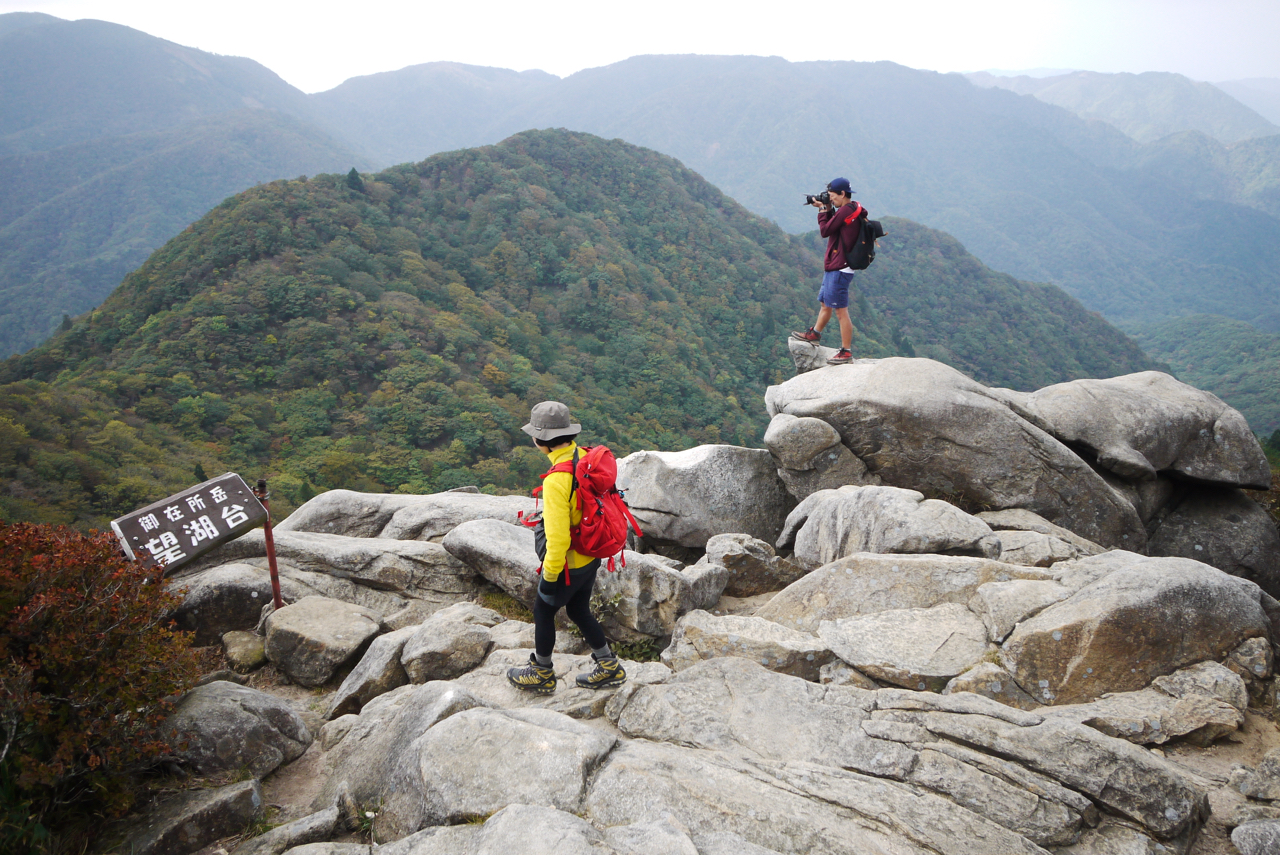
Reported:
(810, 335)
(607, 674)
(533, 677)
(841, 357)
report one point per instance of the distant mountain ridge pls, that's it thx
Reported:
(1258, 93)
(111, 142)
(1145, 106)
(1030, 188)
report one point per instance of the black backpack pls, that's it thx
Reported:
(864, 249)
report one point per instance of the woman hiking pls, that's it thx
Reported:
(567, 576)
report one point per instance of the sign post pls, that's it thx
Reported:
(177, 530)
(263, 496)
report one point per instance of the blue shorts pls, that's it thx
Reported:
(834, 293)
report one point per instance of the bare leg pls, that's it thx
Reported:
(846, 325)
(824, 315)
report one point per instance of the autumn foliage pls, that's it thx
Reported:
(88, 668)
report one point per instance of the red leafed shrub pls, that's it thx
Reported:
(88, 667)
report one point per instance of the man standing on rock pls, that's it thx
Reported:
(567, 575)
(839, 221)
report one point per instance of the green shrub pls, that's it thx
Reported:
(89, 665)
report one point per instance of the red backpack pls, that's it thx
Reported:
(602, 533)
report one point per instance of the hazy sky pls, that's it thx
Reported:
(317, 45)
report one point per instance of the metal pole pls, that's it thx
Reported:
(264, 497)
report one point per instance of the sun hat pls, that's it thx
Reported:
(549, 420)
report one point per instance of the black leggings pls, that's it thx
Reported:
(575, 599)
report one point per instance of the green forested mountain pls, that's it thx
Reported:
(946, 305)
(1234, 359)
(392, 335)
(111, 142)
(391, 331)
(1145, 106)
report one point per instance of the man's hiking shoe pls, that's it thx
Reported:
(607, 674)
(809, 335)
(841, 357)
(533, 677)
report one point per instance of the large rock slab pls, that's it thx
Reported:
(866, 584)
(991, 681)
(377, 743)
(442, 649)
(1119, 776)
(1148, 618)
(1225, 529)
(227, 598)
(646, 597)
(913, 648)
(700, 635)
(792, 807)
(489, 683)
(399, 516)
(1020, 519)
(499, 551)
(523, 829)
(920, 425)
(753, 566)
(688, 497)
(409, 568)
(314, 828)
(810, 456)
(378, 672)
(223, 727)
(478, 761)
(1142, 424)
(1198, 705)
(833, 524)
(191, 820)
(311, 639)
(1003, 605)
(1034, 549)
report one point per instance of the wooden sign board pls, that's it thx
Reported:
(181, 528)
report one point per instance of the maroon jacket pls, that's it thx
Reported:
(841, 231)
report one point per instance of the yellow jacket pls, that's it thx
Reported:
(559, 514)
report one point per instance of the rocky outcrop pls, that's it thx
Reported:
(810, 456)
(833, 524)
(398, 516)
(478, 761)
(404, 567)
(311, 639)
(700, 635)
(752, 565)
(1143, 424)
(501, 552)
(866, 584)
(222, 727)
(189, 821)
(1022, 520)
(1224, 528)
(687, 497)
(1105, 638)
(920, 425)
(913, 648)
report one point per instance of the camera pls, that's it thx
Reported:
(824, 197)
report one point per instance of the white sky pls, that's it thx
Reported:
(317, 45)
